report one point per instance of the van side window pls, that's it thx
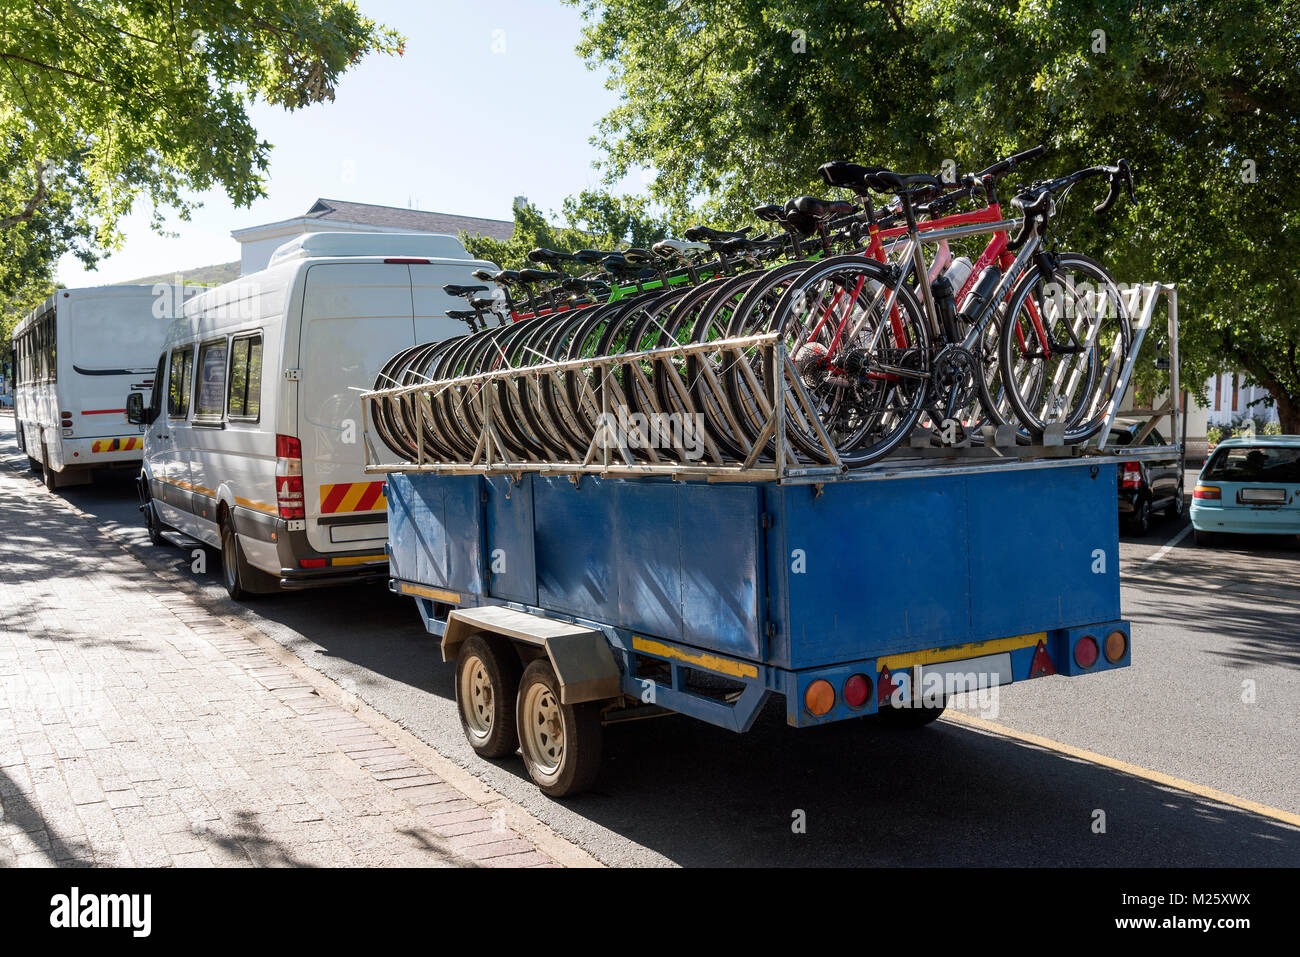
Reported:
(245, 396)
(178, 384)
(211, 400)
(155, 396)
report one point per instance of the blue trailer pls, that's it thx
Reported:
(568, 602)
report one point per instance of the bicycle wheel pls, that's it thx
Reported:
(1062, 356)
(864, 365)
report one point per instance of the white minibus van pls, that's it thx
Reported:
(253, 441)
(75, 356)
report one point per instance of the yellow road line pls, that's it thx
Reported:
(1115, 764)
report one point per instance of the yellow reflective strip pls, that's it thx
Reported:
(259, 506)
(358, 559)
(975, 649)
(353, 496)
(426, 592)
(726, 666)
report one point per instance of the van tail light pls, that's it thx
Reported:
(288, 477)
(1207, 491)
(398, 261)
(1130, 475)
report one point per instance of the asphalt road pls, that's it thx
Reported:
(675, 791)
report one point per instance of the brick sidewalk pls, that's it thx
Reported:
(138, 728)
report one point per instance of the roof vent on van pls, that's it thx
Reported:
(381, 245)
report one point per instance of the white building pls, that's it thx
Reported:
(1230, 400)
(257, 243)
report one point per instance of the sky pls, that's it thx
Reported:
(489, 102)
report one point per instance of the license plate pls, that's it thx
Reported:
(1263, 496)
(967, 675)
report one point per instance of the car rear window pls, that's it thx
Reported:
(1262, 463)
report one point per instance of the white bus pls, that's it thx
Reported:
(75, 357)
(253, 437)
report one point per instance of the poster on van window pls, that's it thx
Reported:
(212, 385)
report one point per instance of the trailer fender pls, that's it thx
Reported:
(581, 656)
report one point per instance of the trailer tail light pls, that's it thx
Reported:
(1116, 646)
(288, 477)
(1085, 651)
(1130, 475)
(1207, 491)
(819, 698)
(311, 562)
(857, 690)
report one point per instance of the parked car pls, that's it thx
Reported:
(253, 439)
(1249, 486)
(1146, 487)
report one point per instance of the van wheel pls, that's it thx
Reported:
(50, 478)
(33, 465)
(243, 582)
(560, 743)
(487, 683)
(153, 524)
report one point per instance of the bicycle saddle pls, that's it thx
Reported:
(538, 275)
(849, 175)
(506, 276)
(705, 233)
(590, 257)
(820, 208)
(459, 292)
(483, 302)
(887, 181)
(543, 255)
(676, 249)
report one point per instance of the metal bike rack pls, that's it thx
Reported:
(768, 457)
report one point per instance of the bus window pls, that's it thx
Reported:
(179, 382)
(245, 378)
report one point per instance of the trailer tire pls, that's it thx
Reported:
(487, 685)
(560, 743)
(908, 718)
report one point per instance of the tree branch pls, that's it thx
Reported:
(32, 204)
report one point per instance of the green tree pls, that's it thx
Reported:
(738, 106)
(103, 102)
(592, 220)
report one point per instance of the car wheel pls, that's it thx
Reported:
(1141, 520)
(1177, 507)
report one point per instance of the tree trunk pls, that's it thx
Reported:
(1288, 405)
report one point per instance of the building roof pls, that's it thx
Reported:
(416, 220)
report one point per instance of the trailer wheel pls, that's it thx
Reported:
(905, 718)
(487, 683)
(560, 743)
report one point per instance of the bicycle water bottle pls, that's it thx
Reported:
(977, 301)
(958, 273)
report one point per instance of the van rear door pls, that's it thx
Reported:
(355, 317)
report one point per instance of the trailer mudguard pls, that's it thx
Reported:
(581, 656)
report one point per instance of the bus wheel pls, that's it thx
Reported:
(487, 681)
(560, 743)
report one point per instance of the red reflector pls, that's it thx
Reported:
(407, 262)
(311, 562)
(856, 691)
(1042, 665)
(287, 447)
(1085, 652)
(1131, 475)
(1207, 491)
(885, 688)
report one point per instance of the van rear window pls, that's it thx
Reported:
(1263, 463)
